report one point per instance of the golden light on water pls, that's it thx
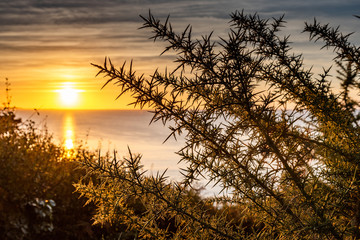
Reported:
(69, 137)
(69, 143)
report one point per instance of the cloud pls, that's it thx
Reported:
(37, 34)
(86, 12)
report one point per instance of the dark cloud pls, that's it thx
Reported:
(64, 12)
(23, 12)
(306, 8)
(29, 12)
(100, 25)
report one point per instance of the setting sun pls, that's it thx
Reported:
(69, 96)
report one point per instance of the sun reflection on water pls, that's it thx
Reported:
(69, 143)
(68, 131)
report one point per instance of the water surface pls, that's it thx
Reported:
(110, 130)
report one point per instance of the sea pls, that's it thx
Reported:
(115, 130)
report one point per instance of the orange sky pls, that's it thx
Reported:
(48, 45)
(38, 77)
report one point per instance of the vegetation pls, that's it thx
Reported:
(258, 123)
(37, 199)
(281, 144)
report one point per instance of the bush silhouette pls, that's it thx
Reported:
(256, 122)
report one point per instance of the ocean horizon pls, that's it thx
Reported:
(116, 130)
(111, 130)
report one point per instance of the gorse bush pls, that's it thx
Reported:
(256, 122)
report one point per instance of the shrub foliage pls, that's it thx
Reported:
(37, 199)
(258, 123)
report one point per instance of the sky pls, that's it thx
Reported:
(47, 46)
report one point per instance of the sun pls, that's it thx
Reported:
(69, 96)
